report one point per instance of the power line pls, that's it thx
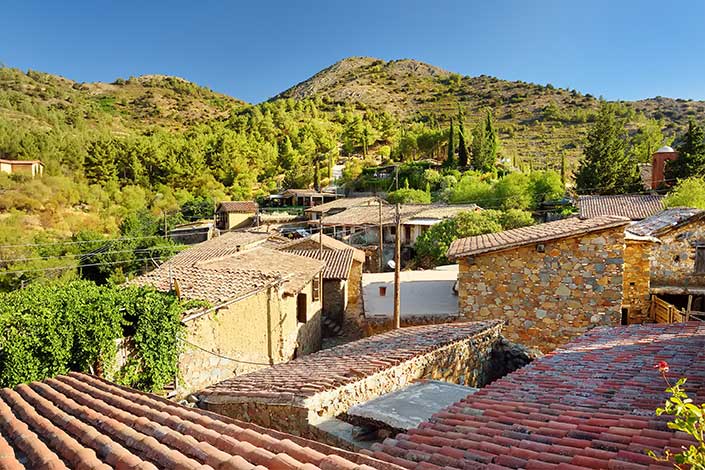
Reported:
(96, 253)
(59, 268)
(97, 240)
(226, 357)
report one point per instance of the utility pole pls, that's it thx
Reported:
(320, 256)
(380, 249)
(166, 233)
(397, 261)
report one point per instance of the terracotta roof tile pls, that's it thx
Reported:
(338, 262)
(243, 207)
(631, 206)
(329, 243)
(533, 234)
(332, 368)
(80, 421)
(590, 404)
(226, 244)
(665, 221)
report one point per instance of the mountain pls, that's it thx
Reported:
(536, 121)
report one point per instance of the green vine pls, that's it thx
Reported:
(50, 329)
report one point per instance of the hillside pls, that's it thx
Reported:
(42, 100)
(537, 122)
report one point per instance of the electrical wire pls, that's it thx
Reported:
(96, 253)
(226, 357)
(59, 268)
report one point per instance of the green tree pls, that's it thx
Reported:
(450, 158)
(463, 154)
(688, 192)
(485, 144)
(606, 168)
(409, 196)
(691, 155)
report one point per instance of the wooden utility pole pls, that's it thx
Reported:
(397, 261)
(380, 250)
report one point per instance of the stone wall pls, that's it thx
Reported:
(375, 326)
(547, 298)
(335, 299)
(636, 284)
(261, 329)
(467, 362)
(674, 259)
(508, 356)
(355, 282)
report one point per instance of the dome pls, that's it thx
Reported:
(665, 149)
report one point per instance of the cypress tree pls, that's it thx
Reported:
(462, 148)
(563, 169)
(485, 144)
(450, 160)
(606, 167)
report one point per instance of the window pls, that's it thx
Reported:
(407, 233)
(700, 259)
(301, 307)
(316, 285)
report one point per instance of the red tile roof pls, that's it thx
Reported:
(82, 422)
(338, 262)
(533, 234)
(226, 244)
(632, 206)
(590, 404)
(328, 243)
(243, 207)
(330, 369)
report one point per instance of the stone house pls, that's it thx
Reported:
(30, 168)
(354, 278)
(335, 276)
(675, 249)
(232, 215)
(549, 282)
(305, 396)
(264, 307)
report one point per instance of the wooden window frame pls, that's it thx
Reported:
(316, 288)
(302, 307)
(699, 264)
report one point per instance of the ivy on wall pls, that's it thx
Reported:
(51, 329)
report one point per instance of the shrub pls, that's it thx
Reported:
(409, 196)
(53, 328)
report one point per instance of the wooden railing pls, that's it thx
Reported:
(663, 312)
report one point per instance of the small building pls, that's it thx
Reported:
(264, 307)
(354, 278)
(80, 421)
(418, 223)
(301, 198)
(314, 213)
(675, 250)
(232, 215)
(305, 396)
(31, 168)
(336, 276)
(589, 405)
(192, 233)
(550, 282)
(415, 219)
(631, 206)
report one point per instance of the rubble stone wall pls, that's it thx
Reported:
(547, 294)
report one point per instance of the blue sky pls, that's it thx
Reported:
(252, 50)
